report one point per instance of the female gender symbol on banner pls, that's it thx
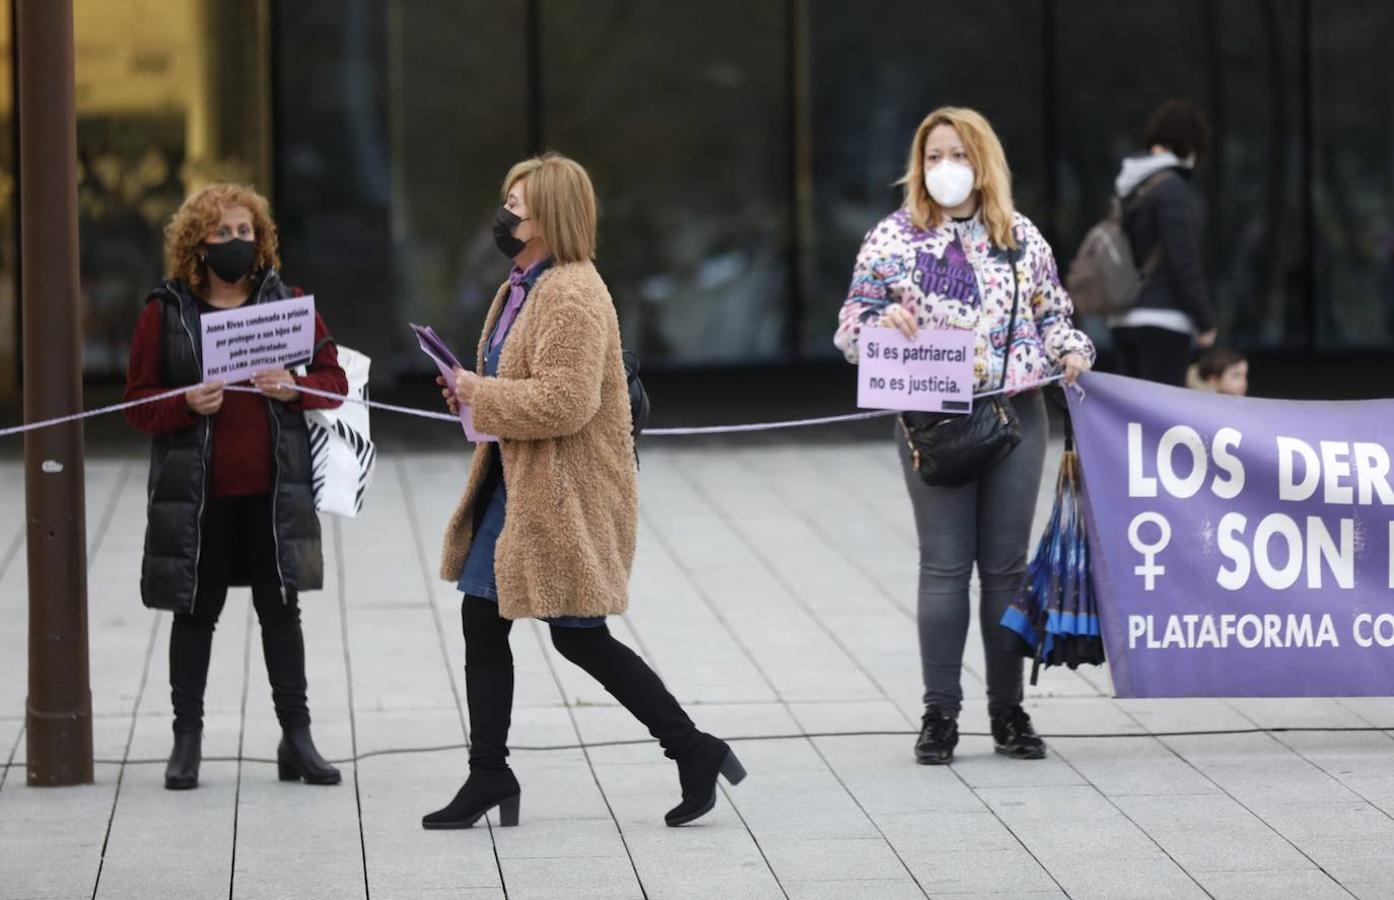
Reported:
(1149, 569)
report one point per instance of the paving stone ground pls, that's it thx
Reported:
(774, 591)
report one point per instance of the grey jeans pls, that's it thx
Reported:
(988, 522)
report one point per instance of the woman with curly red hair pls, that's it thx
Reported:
(230, 495)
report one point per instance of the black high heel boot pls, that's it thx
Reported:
(491, 783)
(697, 772)
(297, 759)
(190, 646)
(181, 772)
(482, 791)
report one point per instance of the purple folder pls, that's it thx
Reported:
(445, 361)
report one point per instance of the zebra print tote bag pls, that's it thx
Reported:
(342, 452)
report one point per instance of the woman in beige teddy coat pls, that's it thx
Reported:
(546, 526)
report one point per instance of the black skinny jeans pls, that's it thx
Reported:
(238, 544)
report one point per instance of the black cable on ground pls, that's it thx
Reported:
(589, 745)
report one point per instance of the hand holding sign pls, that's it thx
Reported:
(449, 366)
(902, 320)
(460, 391)
(465, 384)
(205, 399)
(448, 392)
(258, 337)
(1075, 365)
(271, 381)
(932, 373)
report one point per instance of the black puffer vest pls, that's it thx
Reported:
(179, 472)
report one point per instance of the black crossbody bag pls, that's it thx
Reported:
(949, 450)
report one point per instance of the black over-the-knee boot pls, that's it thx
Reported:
(190, 648)
(700, 756)
(489, 693)
(283, 645)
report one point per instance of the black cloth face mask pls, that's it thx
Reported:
(504, 223)
(231, 260)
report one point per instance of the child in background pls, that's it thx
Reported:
(1223, 371)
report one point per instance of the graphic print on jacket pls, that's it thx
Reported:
(948, 274)
(954, 277)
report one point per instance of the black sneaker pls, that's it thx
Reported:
(1014, 736)
(938, 737)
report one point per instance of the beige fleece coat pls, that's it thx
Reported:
(560, 406)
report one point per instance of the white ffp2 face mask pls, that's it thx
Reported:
(949, 183)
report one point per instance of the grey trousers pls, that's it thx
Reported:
(988, 522)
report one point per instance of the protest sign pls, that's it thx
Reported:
(932, 373)
(239, 342)
(446, 362)
(1240, 547)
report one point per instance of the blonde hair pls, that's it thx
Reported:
(561, 202)
(199, 215)
(991, 177)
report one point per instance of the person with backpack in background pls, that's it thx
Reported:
(547, 524)
(1172, 313)
(1140, 267)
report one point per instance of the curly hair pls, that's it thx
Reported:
(195, 221)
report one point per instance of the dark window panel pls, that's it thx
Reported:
(9, 220)
(1239, 61)
(168, 99)
(333, 174)
(680, 112)
(878, 68)
(1353, 200)
(459, 120)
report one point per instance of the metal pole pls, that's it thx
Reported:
(59, 713)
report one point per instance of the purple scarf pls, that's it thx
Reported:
(520, 281)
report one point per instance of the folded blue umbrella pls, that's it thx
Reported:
(1055, 615)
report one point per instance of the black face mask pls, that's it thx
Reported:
(231, 260)
(504, 223)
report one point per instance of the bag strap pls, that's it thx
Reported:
(1011, 322)
(1133, 201)
(1128, 204)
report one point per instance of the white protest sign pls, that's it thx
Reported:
(275, 335)
(932, 373)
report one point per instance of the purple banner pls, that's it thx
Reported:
(1240, 547)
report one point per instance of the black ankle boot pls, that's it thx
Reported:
(482, 791)
(1013, 735)
(938, 738)
(181, 772)
(298, 760)
(697, 771)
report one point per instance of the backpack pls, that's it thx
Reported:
(1104, 279)
(638, 398)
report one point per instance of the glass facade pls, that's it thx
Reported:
(9, 218)
(169, 97)
(741, 148)
(871, 82)
(1353, 171)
